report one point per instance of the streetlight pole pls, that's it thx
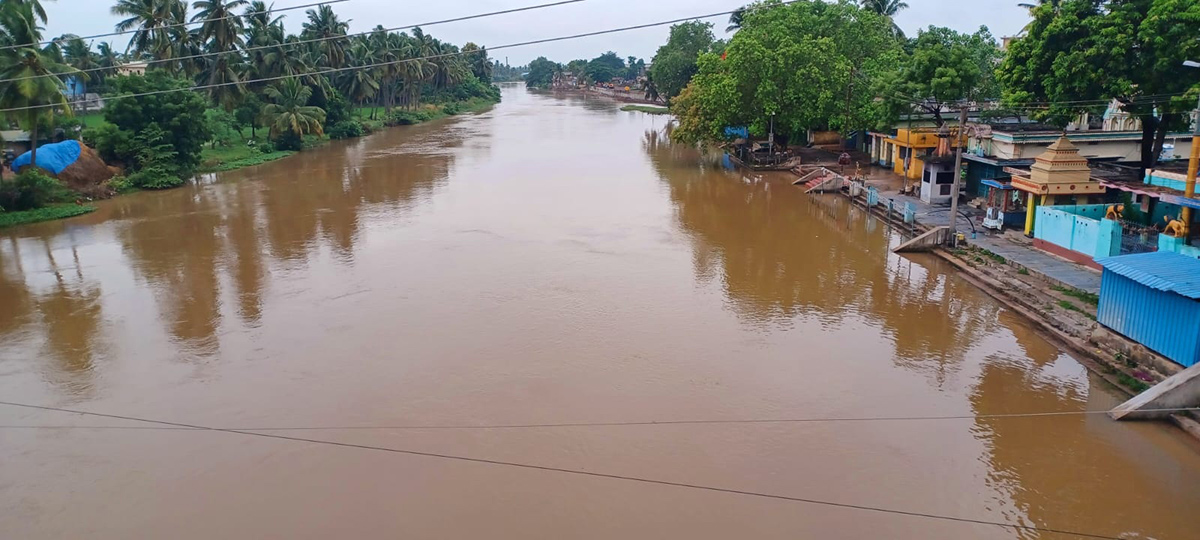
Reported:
(962, 126)
(1193, 164)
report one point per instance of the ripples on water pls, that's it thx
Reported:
(553, 260)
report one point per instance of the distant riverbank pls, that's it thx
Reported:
(233, 157)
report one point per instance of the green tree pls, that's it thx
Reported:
(541, 73)
(808, 65)
(477, 58)
(290, 113)
(151, 19)
(578, 68)
(108, 59)
(222, 126)
(248, 112)
(221, 30)
(361, 85)
(888, 9)
(605, 67)
(1081, 53)
(675, 62)
(32, 85)
(735, 20)
(947, 66)
(323, 23)
(178, 113)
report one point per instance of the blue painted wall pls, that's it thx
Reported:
(1164, 322)
(1080, 228)
(1176, 245)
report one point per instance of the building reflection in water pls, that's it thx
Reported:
(782, 256)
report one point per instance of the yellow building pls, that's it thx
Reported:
(919, 143)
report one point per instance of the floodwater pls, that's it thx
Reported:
(551, 261)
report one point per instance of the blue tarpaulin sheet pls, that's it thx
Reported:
(51, 157)
(737, 132)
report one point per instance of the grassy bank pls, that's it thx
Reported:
(648, 109)
(236, 157)
(425, 113)
(46, 213)
(238, 154)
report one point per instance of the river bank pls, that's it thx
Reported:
(218, 159)
(371, 119)
(1051, 295)
(623, 307)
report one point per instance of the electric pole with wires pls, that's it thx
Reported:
(954, 188)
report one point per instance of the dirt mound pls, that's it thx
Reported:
(87, 173)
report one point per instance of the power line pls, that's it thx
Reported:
(164, 27)
(642, 480)
(417, 427)
(402, 61)
(307, 41)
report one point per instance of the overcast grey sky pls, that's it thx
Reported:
(1003, 17)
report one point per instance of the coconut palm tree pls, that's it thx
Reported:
(107, 59)
(323, 23)
(477, 58)
(222, 29)
(888, 9)
(78, 54)
(151, 19)
(415, 69)
(1054, 4)
(33, 83)
(361, 85)
(258, 15)
(35, 9)
(448, 66)
(290, 112)
(735, 20)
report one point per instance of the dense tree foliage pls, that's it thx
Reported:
(28, 70)
(945, 67)
(507, 73)
(1079, 53)
(675, 62)
(887, 9)
(179, 115)
(541, 73)
(810, 65)
(605, 67)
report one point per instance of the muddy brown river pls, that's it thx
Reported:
(465, 288)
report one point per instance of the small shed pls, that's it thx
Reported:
(1154, 299)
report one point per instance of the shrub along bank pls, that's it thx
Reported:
(32, 196)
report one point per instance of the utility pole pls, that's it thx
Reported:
(962, 126)
(908, 141)
(1193, 165)
(771, 138)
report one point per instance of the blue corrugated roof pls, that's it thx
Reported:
(1161, 270)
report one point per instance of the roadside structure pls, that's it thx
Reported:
(993, 145)
(1154, 299)
(1057, 174)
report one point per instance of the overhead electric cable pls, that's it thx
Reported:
(407, 60)
(814, 420)
(592, 474)
(168, 26)
(307, 41)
